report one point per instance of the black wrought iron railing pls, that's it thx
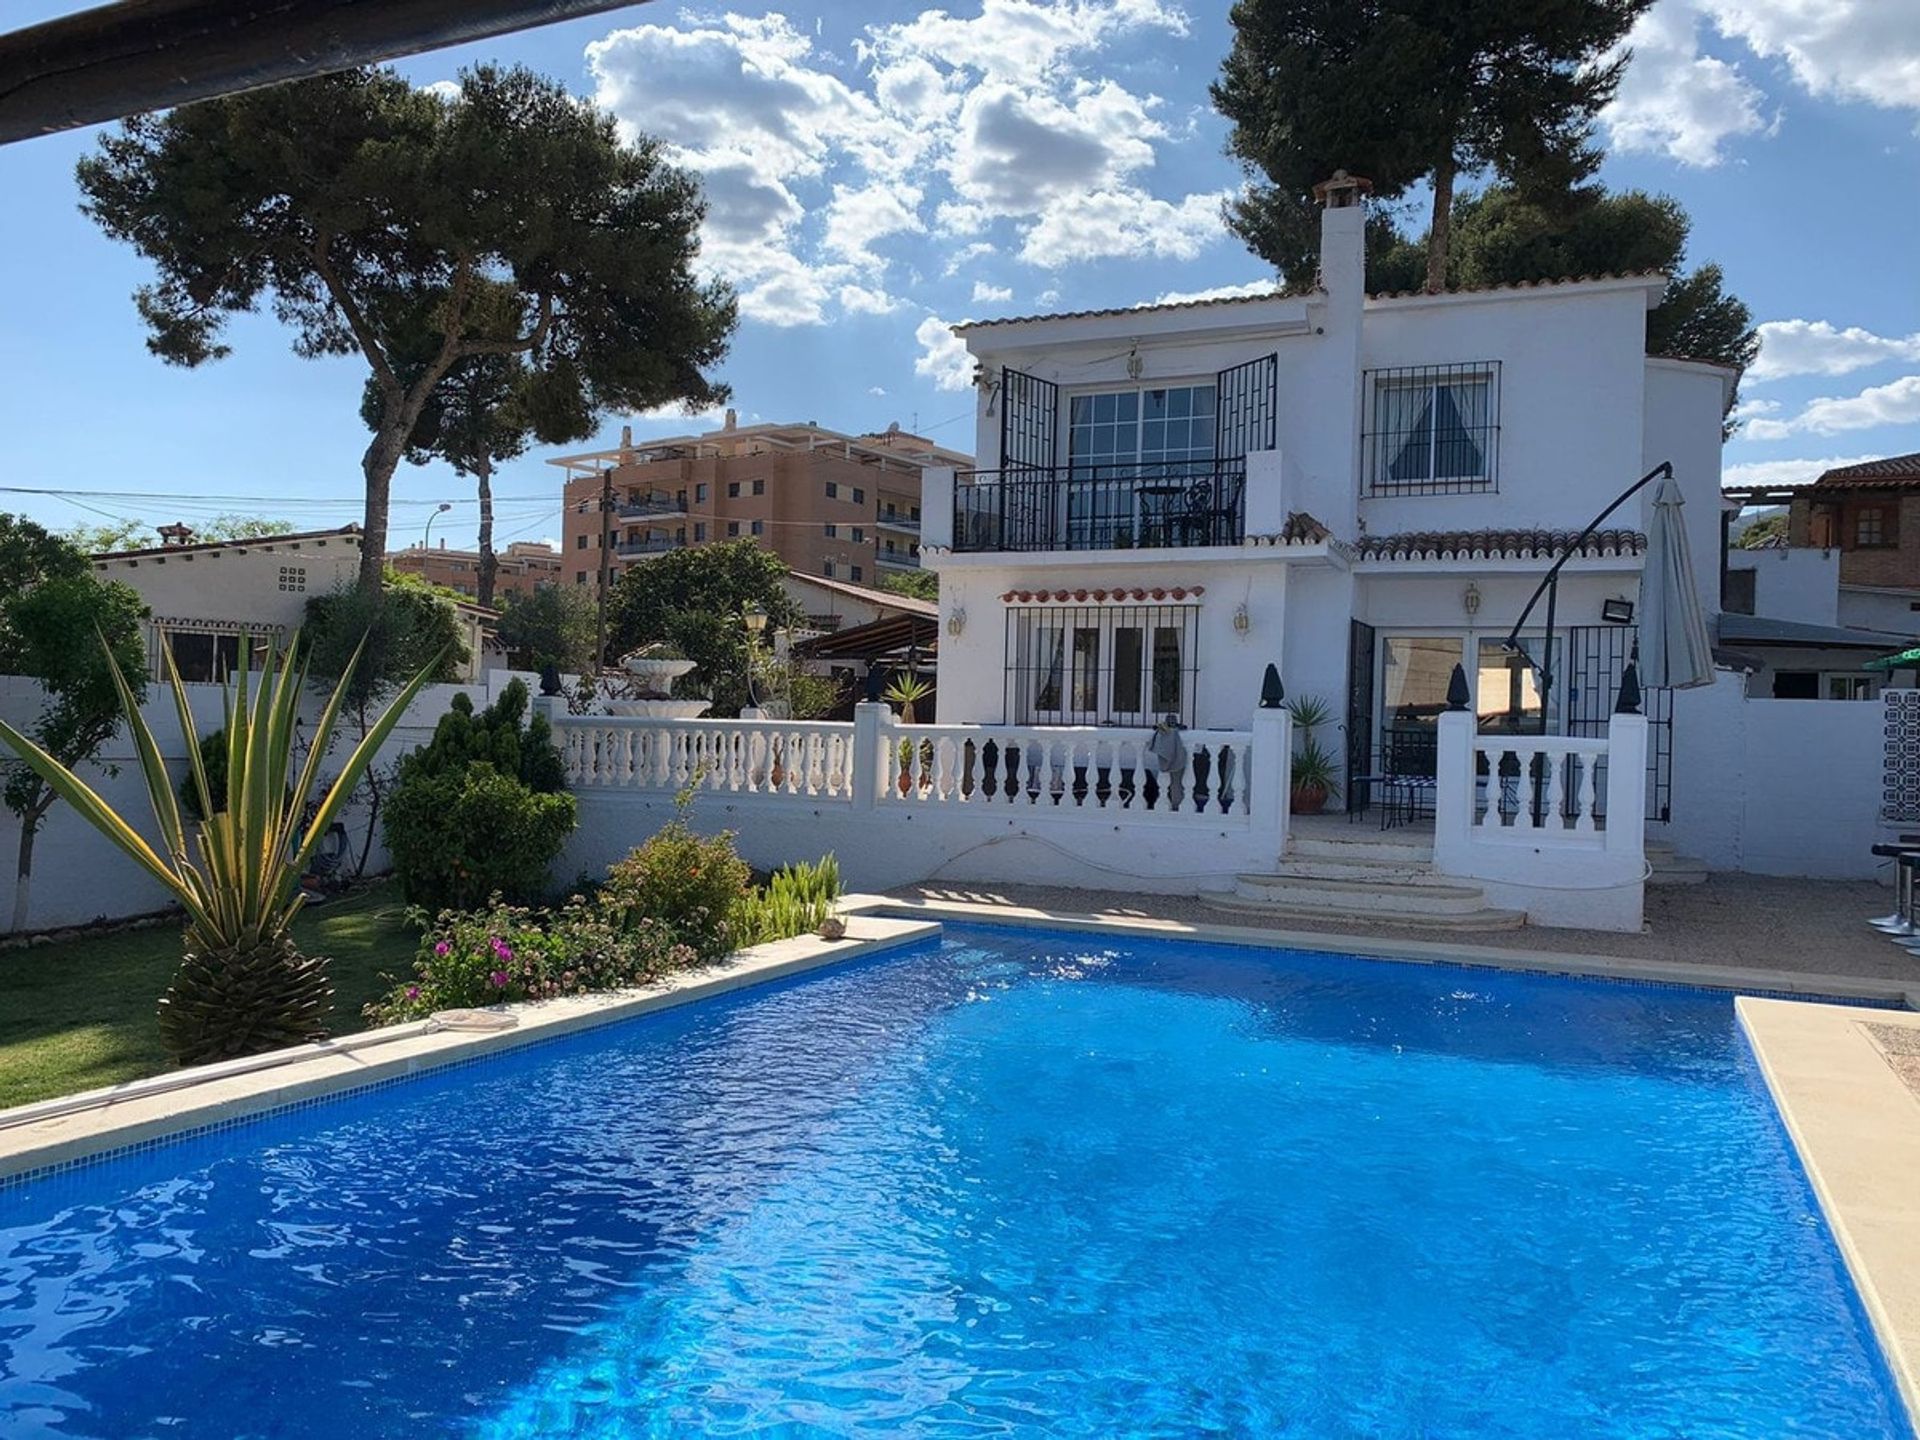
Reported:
(1154, 505)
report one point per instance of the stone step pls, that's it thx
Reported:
(1669, 867)
(1379, 847)
(1482, 919)
(1371, 892)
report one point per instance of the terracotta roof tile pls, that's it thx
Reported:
(1494, 544)
(1283, 295)
(1893, 470)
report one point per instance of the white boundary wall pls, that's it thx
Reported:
(79, 877)
(899, 804)
(1776, 787)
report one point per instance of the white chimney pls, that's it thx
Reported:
(1343, 238)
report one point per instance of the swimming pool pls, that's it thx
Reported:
(1009, 1183)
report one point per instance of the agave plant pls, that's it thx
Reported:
(906, 691)
(242, 986)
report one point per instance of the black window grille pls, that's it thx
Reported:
(1127, 665)
(1432, 429)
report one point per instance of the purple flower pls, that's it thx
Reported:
(501, 949)
(413, 992)
(498, 979)
(441, 949)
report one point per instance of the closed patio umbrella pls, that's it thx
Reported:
(1675, 651)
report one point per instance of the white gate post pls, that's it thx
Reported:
(1270, 776)
(1627, 785)
(1453, 794)
(868, 717)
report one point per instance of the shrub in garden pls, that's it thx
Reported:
(796, 899)
(503, 952)
(690, 883)
(480, 808)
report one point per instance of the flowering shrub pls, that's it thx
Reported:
(505, 952)
(689, 883)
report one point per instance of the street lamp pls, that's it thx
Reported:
(755, 619)
(426, 538)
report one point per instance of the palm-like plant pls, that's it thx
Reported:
(242, 986)
(906, 691)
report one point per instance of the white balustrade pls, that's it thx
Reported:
(1538, 784)
(1083, 770)
(811, 758)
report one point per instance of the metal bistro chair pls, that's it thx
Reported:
(1409, 762)
(1212, 511)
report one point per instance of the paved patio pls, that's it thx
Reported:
(1752, 922)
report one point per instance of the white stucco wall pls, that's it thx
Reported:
(1801, 585)
(79, 877)
(1775, 787)
(1891, 611)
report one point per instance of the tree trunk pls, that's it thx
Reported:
(378, 464)
(489, 565)
(1440, 233)
(30, 821)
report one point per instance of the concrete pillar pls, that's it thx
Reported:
(868, 717)
(1270, 776)
(936, 508)
(1627, 786)
(1453, 796)
(1266, 493)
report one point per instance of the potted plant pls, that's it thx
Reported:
(1316, 775)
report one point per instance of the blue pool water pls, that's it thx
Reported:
(1015, 1183)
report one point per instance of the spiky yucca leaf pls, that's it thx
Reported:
(238, 879)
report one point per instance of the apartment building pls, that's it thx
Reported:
(520, 569)
(843, 506)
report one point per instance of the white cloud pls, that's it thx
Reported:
(1895, 403)
(445, 89)
(679, 414)
(1105, 223)
(1673, 99)
(1218, 292)
(985, 294)
(1815, 347)
(876, 390)
(985, 120)
(864, 300)
(1786, 472)
(943, 355)
(1865, 50)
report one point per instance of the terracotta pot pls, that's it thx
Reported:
(1309, 799)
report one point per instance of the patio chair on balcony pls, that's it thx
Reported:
(1212, 512)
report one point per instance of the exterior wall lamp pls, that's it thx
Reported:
(1470, 599)
(956, 622)
(1242, 621)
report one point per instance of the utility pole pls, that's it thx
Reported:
(606, 558)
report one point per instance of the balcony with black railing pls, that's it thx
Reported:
(1135, 506)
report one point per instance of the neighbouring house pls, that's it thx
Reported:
(522, 568)
(207, 596)
(1361, 489)
(831, 605)
(846, 507)
(1783, 623)
(852, 631)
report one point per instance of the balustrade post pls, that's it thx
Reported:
(1454, 786)
(1627, 785)
(1267, 779)
(869, 716)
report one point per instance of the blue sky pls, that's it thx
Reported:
(874, 179)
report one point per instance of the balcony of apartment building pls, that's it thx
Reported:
(1130, 505)
(897, 555)
(901, 519)
(641, 547)
(651, 505)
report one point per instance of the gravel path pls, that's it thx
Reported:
(1755, 921)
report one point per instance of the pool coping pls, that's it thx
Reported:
(1853, 1121)
(49, 1136)
(1373, 947)
(1856, 1125)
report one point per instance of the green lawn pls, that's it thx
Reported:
(81, 1013)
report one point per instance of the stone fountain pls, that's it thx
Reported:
(646, 688)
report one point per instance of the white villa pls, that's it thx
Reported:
(1361, 489)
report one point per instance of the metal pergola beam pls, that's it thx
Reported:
(120, 59)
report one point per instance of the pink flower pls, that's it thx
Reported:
(501, 949)
(441, 949)
(498, 979)
(413, 992)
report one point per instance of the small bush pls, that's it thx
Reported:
(480, 808)
(796, 899)
(690, 883)
(503, 952)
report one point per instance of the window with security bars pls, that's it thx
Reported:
(1129, 665)
(1433, 429)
